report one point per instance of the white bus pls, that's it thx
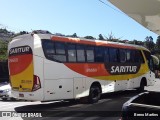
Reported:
(46, 67)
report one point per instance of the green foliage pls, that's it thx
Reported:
(101, 37)
(3, 50)
(149, 43)
(74, 35)
(89, 37)
(3, 31)
(157, 47)
(21, 33)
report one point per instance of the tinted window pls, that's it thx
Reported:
(71, 53)
(122, 54)
(99, 54)
(129, 56)
(147, 54)
(60, 52)
(106, 55)
(60, 58)
(113, 55)
(54, 50)
(48, 47)
(60, 48)
(80, 53)
(138, 57)
(90, 54)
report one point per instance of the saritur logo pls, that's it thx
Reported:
(122, 68)
(20, 50)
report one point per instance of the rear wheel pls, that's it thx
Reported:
(94, 94)
(12, 99)
(4, 99)
(142, 85)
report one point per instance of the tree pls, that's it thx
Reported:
(101, 37)
(3, 50)
(158, 43)
(74, 35)
(23, 32)
(149, 43)
(89, 37)
(112, 38)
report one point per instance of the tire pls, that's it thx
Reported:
(142, 85)
(13, 99)
(94, 94)
(4, 99)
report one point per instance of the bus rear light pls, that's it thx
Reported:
(36, 83)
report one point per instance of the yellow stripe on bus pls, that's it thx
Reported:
(24, 79)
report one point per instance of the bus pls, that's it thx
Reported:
(46, 67)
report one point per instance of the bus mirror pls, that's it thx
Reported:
(156, 65)
(155, 60)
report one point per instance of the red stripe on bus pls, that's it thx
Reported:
(19, 63)
(90, 70)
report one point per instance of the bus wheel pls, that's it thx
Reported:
(94, 94)
(142, 85)
(4, 99)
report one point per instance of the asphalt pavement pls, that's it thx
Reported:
(155, 87)
(108, 108)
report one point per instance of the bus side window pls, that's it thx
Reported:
(90, 54)
(99, 54)
(138, 57)
(122, 53)
(106, 55)
(113, 55)
(128, 56)
(80, 53)
(60, 52)
(147, 54)
(48, 47)
(71, 53)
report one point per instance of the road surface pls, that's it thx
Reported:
(109, 107)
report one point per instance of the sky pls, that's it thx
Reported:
(84, 17)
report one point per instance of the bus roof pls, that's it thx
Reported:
(90, 41)
(81, 40)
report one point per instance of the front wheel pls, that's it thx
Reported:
(94, 94)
